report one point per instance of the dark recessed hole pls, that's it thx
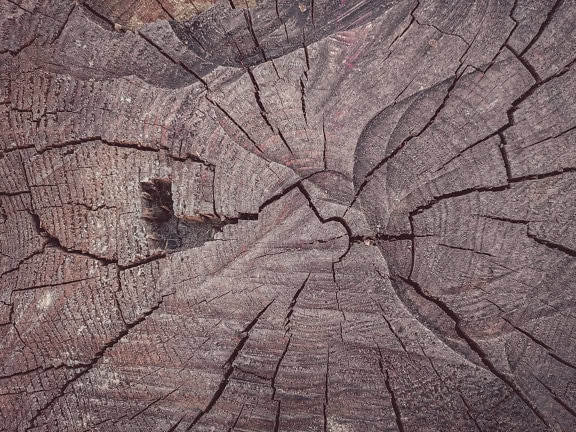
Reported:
(165, 230)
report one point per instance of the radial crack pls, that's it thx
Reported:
(229, 368)
(474, 346)
(87, 367)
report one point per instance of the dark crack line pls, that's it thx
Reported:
(446, 386)
(464, 249)
(393, 400)
(55, 242)
(15, 52)
(325, 144)
(229, 117)
(552, 245)
(464, 150)
(231, 428)
(529, 336)
(503, 219)
(338, 219)
(525, 63)
(193, 158)
(550, 137)
(22, 8)
(542, 176)
(264, 112)
(248, 18)
(52, 285)
(166, 10)
(175, 62)
(284, 191)
(506, 44)
(563, 404)
(61, 30)
(412, 20)
(325, 404)
(303, 103)
(474, 346)
(142, 261)
(293, 303)
(384, 238)
(435, 200)
(561, 360)
(524, 96)
(96, 138)
(516, 23)
(394, 152)
(280, 360)
(154, 402)
(87, 367)
(504, 154)
(26, 258)
(443, 32)
(101, 19)
(173, 428)
(39, 370)
(229, 364)
(389, 324)
(543, 27)
(326, 377)
(547, 347)
(244, 339)
(287, 324)
(277, 418)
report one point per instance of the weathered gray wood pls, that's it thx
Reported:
(316, 215)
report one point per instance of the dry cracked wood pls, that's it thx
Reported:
(314, 215)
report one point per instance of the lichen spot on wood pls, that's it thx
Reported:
(167, 232)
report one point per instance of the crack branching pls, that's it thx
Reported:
(87, 367)
(394, 152)
(563, 404)
(337, 219)
(264, 112)
(229, 365)
(525, 63)
(238, 125)
(474, 346)
(55, 242)
(403, 32)
(248, 18)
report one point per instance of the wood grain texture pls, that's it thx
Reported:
(277, 215)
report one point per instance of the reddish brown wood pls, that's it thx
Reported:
(316, 215)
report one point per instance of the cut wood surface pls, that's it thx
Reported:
(280, 215)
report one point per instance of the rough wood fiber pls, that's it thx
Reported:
(315, 215)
